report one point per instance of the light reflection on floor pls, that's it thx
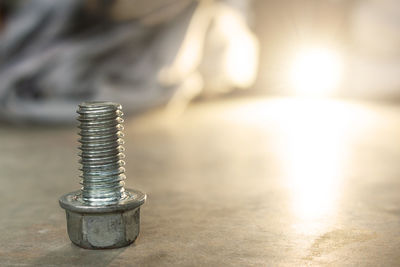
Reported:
(313, 154)
(314, 136)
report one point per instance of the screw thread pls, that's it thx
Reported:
(101, 153)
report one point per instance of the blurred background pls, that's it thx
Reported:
(266, 131)
(146, 54)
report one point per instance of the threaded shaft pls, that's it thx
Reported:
(101, 153)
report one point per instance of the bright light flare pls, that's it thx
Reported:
(314, 134)
(316, 71)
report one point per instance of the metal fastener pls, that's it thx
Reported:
(103, 214)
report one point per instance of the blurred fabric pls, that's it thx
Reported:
(143, 54)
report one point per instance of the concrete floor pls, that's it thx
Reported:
(245, 182)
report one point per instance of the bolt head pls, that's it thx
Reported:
(103, 230)
(98, 227)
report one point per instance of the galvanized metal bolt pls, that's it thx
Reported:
(103, 214)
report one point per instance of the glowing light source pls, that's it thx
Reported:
(316, 71)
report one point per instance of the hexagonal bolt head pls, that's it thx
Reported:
(103, 230)
(98, 227)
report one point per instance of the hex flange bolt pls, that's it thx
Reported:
(103, 214)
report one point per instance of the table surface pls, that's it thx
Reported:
(240, 182)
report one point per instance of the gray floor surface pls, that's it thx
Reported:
(243, 182)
